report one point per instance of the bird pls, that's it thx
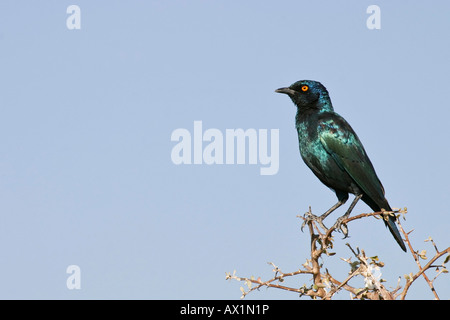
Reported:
(331, 149)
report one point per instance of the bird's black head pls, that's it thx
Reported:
(308, 94)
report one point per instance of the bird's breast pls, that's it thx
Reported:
(311, 149)
(321, 163)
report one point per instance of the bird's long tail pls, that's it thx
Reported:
(390, 223)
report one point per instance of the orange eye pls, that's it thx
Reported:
(305, 88)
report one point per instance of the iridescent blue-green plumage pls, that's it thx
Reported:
(332, 150)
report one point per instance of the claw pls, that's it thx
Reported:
(340, 226)
(309, 217)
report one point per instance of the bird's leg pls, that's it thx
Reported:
(308, 217)
(339, 222)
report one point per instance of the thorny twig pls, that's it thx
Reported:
(324, 285)
(416, 255)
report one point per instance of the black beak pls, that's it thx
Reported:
(286, 90)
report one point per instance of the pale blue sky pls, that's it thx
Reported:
(86, 176)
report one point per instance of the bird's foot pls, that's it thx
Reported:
(341, 226)
(309, 217)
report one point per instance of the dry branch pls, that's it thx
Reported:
(325, 286)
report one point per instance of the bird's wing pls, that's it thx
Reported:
(342, 143)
